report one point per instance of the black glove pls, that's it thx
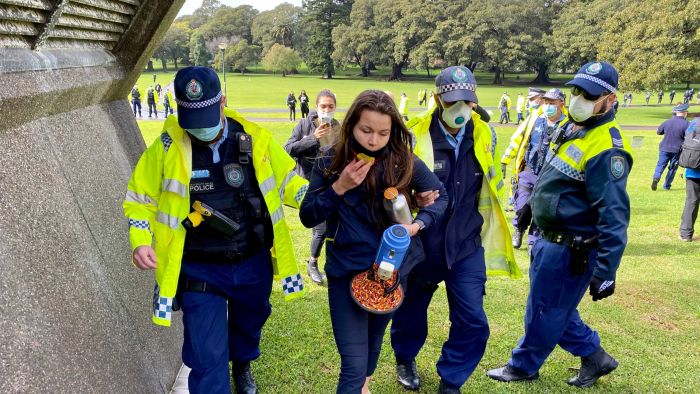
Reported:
(503, 170)
(600, 288)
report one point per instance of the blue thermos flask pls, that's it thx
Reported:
(392, 250)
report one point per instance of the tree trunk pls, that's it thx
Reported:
(365, 70)
(284, 74)
(542, 73)
(498, 76)
(396, 72)
(175, 61)
(149, 67)
(427, 66)
(165, 67)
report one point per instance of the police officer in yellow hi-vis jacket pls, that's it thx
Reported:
(470, 241)
(580, 203)
(205, 212)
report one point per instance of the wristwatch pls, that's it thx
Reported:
(420, 224)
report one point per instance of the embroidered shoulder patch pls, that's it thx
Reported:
(574, 152)
(617, 166)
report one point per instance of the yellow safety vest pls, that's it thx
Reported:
(158, 200)
(495, 234)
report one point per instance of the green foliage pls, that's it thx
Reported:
(199, 54)
(321, 16)
(231, 23)
(278, 26)
(201, 15)
(175, 44)
(281, 59)
(242, 55)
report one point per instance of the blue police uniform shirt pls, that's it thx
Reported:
(673, 131)
(215, 147)
(454, 140)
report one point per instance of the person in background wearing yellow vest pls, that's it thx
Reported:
(152, 99)
(520, 108)
(521, 137)
(504, 106)
(580, 203)
(553, 114)
(167, 104)
(205, 212)
(403, 106)
(431, 101)
(347, 185)
(470, 241)
(136, 100)
(422, 97)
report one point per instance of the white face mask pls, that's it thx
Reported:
(457, 115)
(581, 109)
(325, 117)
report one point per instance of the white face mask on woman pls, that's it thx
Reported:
(456, 115)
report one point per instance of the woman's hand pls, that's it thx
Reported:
(352, 176)
(322, 130)
(412, 228)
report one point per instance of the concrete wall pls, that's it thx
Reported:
(74, 312)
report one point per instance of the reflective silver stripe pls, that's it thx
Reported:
(132, 196)
(277, 215)
(500, 185)
(491, 174)
(175, 186)
(268, 185)
(288, 178)
(170, 221)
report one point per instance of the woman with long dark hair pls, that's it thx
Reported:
(347, 183)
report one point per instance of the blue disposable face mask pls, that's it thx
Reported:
(206, 134)
(550, 110)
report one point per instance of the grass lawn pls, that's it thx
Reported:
(651, 324)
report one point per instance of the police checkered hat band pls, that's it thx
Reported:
(199, 104)
(597, 81)
(456, 86)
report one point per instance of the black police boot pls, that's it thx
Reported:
(407, 375)
(517, 239)
(654, 184)
(507, 373)
(314, 273)
(445, 389)
(593, 367)
(243, 379)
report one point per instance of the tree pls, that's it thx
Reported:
(201, 15)
(199, 54)
(175, 44)
(231, 23)
(653, 55)
(241, 55)
(281, 58)
(280, 25)
(358, 42)
(321, 16)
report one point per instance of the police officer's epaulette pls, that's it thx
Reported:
(166, 140)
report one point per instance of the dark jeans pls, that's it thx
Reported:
(304, 111)
(136, 107)
(690, 212)
(152, 109)
(318, 235)
(665, 158)
(292, 113)
(358, 336)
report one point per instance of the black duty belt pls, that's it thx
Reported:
(198, 286)
(575, 241)
(217, 257)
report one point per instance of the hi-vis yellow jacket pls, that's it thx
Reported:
(521, 138)
(495, 234)
(158, 200)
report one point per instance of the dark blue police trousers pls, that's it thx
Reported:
(469, 330)
(551, 317)
(217, 331)
(358, 336)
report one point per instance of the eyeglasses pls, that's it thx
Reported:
(577, 91)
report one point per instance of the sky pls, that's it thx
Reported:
(260, 5)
